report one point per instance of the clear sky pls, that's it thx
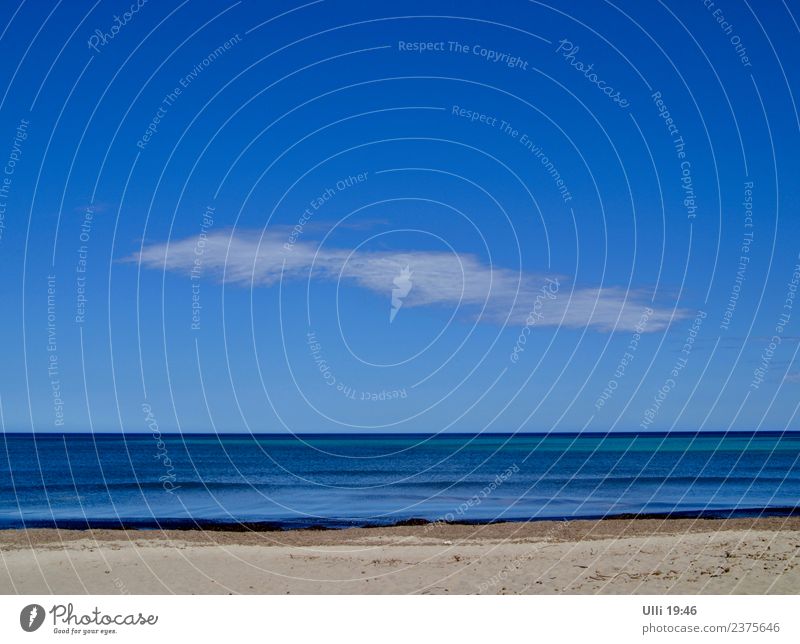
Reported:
(399, 216)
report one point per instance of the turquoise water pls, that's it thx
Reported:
(79, 479)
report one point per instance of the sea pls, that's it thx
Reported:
(266, 482)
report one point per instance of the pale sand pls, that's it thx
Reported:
(620, 556)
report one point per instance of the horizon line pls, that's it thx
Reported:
(642, 432)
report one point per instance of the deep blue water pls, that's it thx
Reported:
(106, 479)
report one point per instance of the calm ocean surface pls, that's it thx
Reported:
(72, 480)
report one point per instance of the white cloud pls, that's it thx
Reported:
(438, 278)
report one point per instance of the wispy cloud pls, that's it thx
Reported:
(494, 293)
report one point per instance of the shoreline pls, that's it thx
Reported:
(349, 524)
(619, 526)
(650, 556)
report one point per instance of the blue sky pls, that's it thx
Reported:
(416, 216)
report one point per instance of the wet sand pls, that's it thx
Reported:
(648, 556)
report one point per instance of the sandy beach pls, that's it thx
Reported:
(612, 556)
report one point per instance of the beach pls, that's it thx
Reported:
(630, 556)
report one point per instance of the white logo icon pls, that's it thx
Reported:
(402, 286)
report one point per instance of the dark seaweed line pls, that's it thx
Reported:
(334, 524)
